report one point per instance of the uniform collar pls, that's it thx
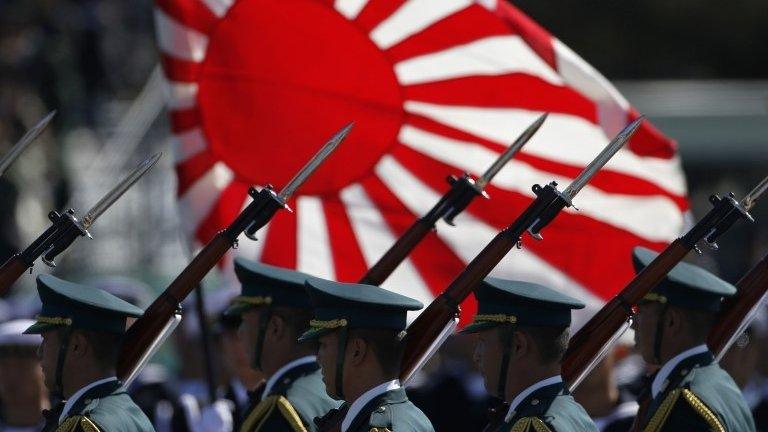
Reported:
(658, 384)
(80, 393)
(557, 379)
(283, 370)
(364, 399)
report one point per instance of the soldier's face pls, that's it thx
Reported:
(249, 333)
(48, 354)
(328, 346)
(645, 323)
(487, 356)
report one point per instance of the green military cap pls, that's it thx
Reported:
(501, 301)
(79, 307)
(263, 284)
(686, 286)
(355, 306)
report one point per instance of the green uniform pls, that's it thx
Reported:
(389, 411)
(104, 407)
(690, 392)
(104, 404)
(292, 404)
(295, 394)
(697, 395)
(341, 307)
(548, 408)
(545, 405)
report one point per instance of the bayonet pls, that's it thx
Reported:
(463, 191)
(144, 333)
(25, 141)
(314, 163)
(611, 149)
(751, 198)
(510, 152)
(107, 200)
(64, 230)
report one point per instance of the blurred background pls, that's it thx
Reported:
(697, 69)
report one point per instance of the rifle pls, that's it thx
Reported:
(150, 326)
(738, 311)
(463, 190)
(431, 324)
(591, 343)
(65, 229)
(25, 141)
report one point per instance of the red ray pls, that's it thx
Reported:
(180, 70)
(192, 13)
(434, 260)
(348, 260)
(514, 90)
(375, 12)
(649, 141)
(575, 244)
(228, 205)
(280, 241)
(184, 120)
(192, 169)
(605, 180)
(465, 26)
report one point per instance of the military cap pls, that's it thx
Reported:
(263, 284)
(80, 307)
(686, 286)
(501, 301)
(355, 306)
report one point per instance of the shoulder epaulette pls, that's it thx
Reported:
(530, 424)
(78, 423)
(665, 409)
(258, 417)
(702, 410)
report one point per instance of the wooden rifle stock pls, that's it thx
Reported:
(10, 272)
(430, 323)
(453, 202)
(395, 255)
(587, 342)
(142, 333)
(750, 289)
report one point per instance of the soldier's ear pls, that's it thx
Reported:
(78, 345)
(276, 327)
(357, 349)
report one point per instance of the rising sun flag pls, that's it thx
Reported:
(435, 87)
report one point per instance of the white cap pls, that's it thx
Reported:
(11, 333)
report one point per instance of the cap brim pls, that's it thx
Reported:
(40, 328)
(314, 333)
(237, 309)
(478, 326)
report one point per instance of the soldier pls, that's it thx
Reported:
(82, 328)
(522, 333)
(22, 393)
(275, 311)
(690, 391)
(360, 329)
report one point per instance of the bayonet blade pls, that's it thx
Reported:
(107, 200)
(754, 195)
(614, 146)
(25, 141)
(314, 163)
(510, 152)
